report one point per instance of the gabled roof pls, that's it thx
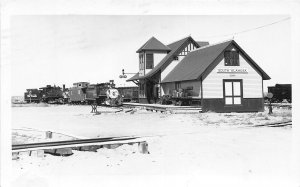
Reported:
(283, 85)
(202, 44)
(153, 44)
(135, 77)
(194, 65)
(175, 47)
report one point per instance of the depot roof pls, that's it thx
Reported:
(197, 62)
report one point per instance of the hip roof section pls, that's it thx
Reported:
(175, 46)
(153, 44)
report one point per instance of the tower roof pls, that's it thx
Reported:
(153, 44)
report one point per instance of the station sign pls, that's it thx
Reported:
(232, 70)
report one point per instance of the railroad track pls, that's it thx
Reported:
(279, 124)
(73, 143)
(102, 141)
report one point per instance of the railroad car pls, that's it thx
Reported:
(84, 93)
(281, 92)
(77, 93)
(32, 95)
(51, 94)
(129, 94)
(97, 93)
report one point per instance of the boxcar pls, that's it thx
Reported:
(281, 92)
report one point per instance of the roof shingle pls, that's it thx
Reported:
(202, 44)
(134, 77)
(195, 63)
(153, 44)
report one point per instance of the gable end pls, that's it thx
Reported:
(248, 59)
(179, 50)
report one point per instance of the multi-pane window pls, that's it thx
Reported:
(231, 58)
(233, 92)
(149, 61)
(141, 61)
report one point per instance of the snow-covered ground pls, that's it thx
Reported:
(185, 149)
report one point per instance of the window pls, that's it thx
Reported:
(176, 58)
(233, 92)
(142, 89)
(149, 61)
(231, 58)
(141, 61)
(177, 85)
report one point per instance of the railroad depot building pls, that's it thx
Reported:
(220, 77)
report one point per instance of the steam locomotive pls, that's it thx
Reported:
(101, 94)
(47, 94)
(83, 93)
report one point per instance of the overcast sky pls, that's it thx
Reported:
(66, 49)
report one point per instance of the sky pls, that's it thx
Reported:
(64, 49)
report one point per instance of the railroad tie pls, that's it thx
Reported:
(60, 151)
(143, 147)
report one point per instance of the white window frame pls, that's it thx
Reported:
(231, 97)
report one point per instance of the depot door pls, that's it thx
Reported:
(233, 92)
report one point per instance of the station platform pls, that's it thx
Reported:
(164, 108)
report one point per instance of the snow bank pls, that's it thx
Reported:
(205, 149)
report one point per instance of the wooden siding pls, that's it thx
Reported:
(157, 57)
(76, 94)
(252, 81)
(141, 64)
(190, 47)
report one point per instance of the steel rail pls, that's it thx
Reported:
(275, 124)
(110, 140)
(69, 142)
(280, 125)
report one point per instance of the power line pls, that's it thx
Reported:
(248, 30)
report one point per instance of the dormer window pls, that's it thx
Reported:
(231, 58)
